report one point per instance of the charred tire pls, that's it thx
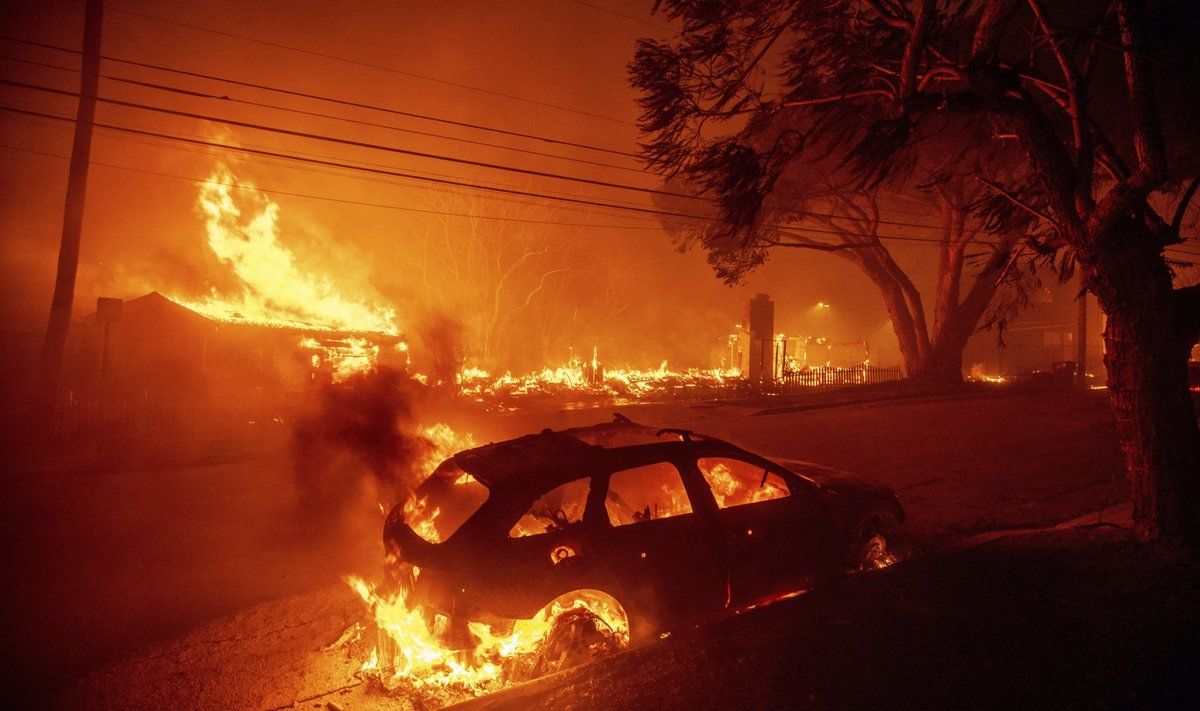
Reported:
(578, 636)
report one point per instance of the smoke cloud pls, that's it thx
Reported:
(359, 437)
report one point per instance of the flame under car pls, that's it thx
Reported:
(673, 526)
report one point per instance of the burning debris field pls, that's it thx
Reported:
(600, 355)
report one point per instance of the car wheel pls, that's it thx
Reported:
(875, 543)
(578, 636)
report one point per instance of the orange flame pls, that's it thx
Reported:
(275, 291)
(418, 659)
(411, 652)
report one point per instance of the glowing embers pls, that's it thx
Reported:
(589, 379)
(435, 657)
(875, 554)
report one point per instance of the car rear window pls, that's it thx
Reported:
(645, 494)
(444, 502)
(735, 482)
(554, 510)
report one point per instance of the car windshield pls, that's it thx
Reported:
(444, 502)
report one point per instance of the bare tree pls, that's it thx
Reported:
(489, 273)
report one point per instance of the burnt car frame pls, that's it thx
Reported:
(663, 568)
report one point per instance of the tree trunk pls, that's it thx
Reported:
(1147, 378)
(943, 368)
(908, 336)
(1147, 342)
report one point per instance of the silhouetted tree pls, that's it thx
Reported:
(867, 82)
(774, 174)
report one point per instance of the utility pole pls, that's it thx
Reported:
(1081, 337)
(46, 390)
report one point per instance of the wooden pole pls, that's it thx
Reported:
(1081, 329)
(46, 389)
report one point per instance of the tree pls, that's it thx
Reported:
(490, 275)
(1078, 94)
(776, 173)
(932, 350)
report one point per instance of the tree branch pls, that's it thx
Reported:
(990, 29)
(1187, 305)
(802, 242)
(1181, 208)
(1075, 108)
(837, 97)
(1147, 130)
(914, 50)
(889, 16)
(1017, 201)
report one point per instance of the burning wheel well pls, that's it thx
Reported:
(603, 605)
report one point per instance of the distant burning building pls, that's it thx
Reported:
(160, 351)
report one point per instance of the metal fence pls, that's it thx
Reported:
(770, 367)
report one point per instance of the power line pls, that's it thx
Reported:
(287, 163)
(328, 99)
(525, 193)
(348, 141)
(402, 208)
(422, 154)
(379, 171)
(317, 114)
(258, 188)
(370, 65)
(621, 14)
(317, 97)
(970, 230)
(325, 198)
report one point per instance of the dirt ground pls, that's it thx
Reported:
(110, 570)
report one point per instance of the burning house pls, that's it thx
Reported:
(154, 355)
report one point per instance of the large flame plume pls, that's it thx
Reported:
(274, 289)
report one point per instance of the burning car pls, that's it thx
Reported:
(660, 527)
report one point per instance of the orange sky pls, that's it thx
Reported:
(143, 231)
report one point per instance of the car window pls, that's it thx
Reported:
(735, 482)
(444, 502)
(554, 510)
(646, 493)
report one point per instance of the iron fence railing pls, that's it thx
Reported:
(834, 377)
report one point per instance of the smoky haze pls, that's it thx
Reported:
(525, 292)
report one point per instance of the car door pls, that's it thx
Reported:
(660, 548)
(546, 552)
(777, 535)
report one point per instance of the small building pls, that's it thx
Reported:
(157, 352)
